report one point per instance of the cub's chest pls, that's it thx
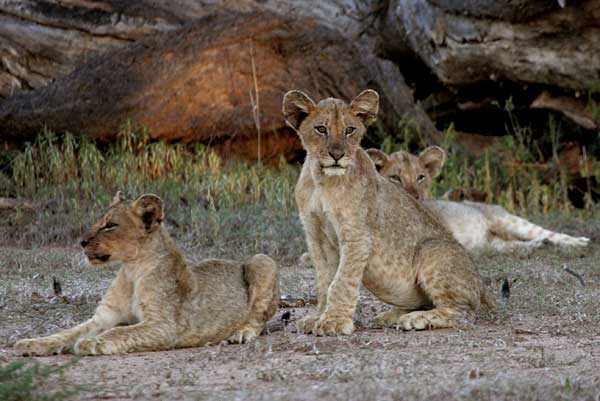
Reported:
(329, 202)
(135, 308)
(134, 305)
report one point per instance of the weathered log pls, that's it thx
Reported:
(11, 203)
(574, 109)
(505, 10)
(463, 43)
(203, 81)
(41, 40)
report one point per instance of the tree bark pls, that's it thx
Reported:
(88, 66)
(202, 82)
(41, 40)
(529, 42)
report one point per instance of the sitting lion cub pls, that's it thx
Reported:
(476, 226)
(360, 228)
(158, 301)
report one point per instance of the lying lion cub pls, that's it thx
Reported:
(163, 302)
(476, 226)
(361, 228)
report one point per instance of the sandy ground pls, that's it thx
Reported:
(544, 344)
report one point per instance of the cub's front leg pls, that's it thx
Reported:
(63, 341)
(325, 257)
(159, 302)
(342, 294)
(144, 336)
(108, 314)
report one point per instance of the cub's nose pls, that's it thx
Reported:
(336, 154)
(84, 243)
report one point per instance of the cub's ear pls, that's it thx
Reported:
(433, 159)
(118, 198)
(379, 158)
(149, 208)
(365, 106)
(296, 106)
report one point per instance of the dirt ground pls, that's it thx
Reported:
(543, 344)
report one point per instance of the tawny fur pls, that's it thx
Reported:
(157, 299)
(361, 228)
(477, 226)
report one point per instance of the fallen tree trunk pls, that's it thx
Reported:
(104, 52)
(204, 83)
(41, 40)
(466, 42)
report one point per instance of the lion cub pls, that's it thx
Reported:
(157, 300)
(360, 228)
(476, 226)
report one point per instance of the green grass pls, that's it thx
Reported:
(31, 381)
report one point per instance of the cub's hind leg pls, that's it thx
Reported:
(511, 226)
(260, 274)
(503, 246)
(446, 275)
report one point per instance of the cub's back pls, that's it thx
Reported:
(466, 223)
(400, 214)
(219, 289)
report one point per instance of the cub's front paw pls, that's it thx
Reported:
(426, 320)
(244, 335)
(94, 346)
(389, 318)
(333, 325)
(307, 324)
(39, 346)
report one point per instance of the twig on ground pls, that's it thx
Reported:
(11, 203)
(56, 287)
(524, 331)
(505, 291)
(573, 273)
(287, 301)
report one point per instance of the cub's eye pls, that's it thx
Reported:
(321, 130)
(420, 178)
(109, 226)
(395, 178)
(350, 131)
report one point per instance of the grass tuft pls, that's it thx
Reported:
(31, 381)
(72, 179)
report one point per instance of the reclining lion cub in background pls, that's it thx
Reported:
(475, 225)
(164, 302)
(361, 228)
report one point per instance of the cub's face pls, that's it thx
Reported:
(331, 130)
(124, 229)
(413, 173)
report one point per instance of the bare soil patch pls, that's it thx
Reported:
(544, 344)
